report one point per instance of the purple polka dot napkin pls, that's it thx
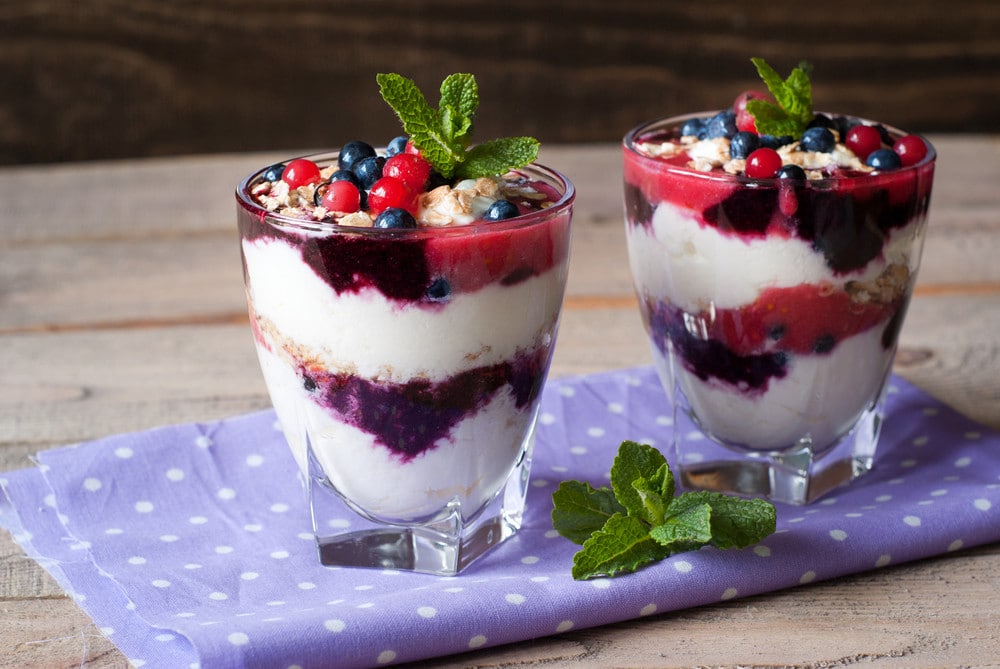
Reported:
(191, 545)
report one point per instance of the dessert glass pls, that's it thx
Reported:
(406, 368)
(773, 308)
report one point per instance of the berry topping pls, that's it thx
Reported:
(439, 290)
(301, 172)
(345, 175)
(722, 124)
(822, 121)
(791, 172)
(273, 173)
(745, 121)
(863, 140)
(394, 217)
(391, 193)
(884, 159)
(763, 164)
(775, 142)
(409, 168)
(368, 170)
(819, 139)
(353, 152)
(341, 196)
(397, 145)
(500, 210)
(910, 149)
(743, 144)
(693, 127)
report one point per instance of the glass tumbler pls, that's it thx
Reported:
(773, 308)
(405, 367)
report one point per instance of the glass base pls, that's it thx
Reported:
(444, 546)
(797, 475)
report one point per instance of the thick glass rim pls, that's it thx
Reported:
(552, 177)
(631, 137)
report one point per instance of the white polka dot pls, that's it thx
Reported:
(956, 545)
(551, 534)
(338, 523)
(615, 407)
(567, 391)
(184, 614)
(883, 560)
(279, 555)
(175, 474)
(938, 493)
(255, 460)
(762, 551)
(477, 641)
(729, 593)
(426, 612)
(982, 504)
(276, 602)
(165, 637)
(253, 527)
(223, 550)
(963, 462)
(665, 421)
(306, 585)
(514, 598)
(529, 559)
(930, 411)
(91, 484)
(197, 520)
(829, 501)
(279, 507)
(161, 583)
(203, 441)
(601, 583)
(226, 493)
(908, 463)
(912, 521)
(546, 419)
(334, 625)
(854, 515)
(124, 452)
(218, 596)
(238, 639)
(647, 610)
(386, 656)
(539, 483)
(144, 506)
(114, 530)
(366, 605)
(564, 626)
(539, 579)
(169, 538)
(682, 566)
(838, 535)
(883, 498)
(364, 587)
(920, 441)
(249, 575)
(807, 577)
(137, 560)
(455, 589)
(192, 566)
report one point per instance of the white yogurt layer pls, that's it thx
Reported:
(379, 339)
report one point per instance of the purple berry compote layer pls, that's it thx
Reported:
(412, 357)
(774, 302)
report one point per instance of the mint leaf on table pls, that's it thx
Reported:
(640, 520)
(443, 135)
(793, 111)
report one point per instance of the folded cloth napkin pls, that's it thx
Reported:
(192, 546)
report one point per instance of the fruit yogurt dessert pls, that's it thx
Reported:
(774, 252)
(404, 309)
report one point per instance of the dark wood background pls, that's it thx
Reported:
(100, 79)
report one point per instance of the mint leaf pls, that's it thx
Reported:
(498, 156)
(793, 111)
(622, 545)
(579, 510)
(640, 519)
(443, 135)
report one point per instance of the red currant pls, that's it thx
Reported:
(391, 192)
(341, 196)
(763, 164)
(409, 168)
(863, 140)
(301, 172)
(910, 149)
(745, 121)
(410, 148)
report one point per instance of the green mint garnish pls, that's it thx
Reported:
(639, 519)
(793, 111)
(443, 135)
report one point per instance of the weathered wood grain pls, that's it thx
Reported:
(98, 79)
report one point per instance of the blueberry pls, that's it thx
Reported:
(722, 124)
(693, 127)
(884, 159)
(346, 175)
(822, 121)
(777, 332)
(439, 290)
(397, 145)
(818, 139)
(369, 170)
(843, 125)
(309, 384)
(437, 179)
(273, 173)
(824, 344)
(743, 144)
(500, 210)
(793, 172)
(775, 142)
(352, 152)
(393, 217)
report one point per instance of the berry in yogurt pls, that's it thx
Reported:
(774, 261)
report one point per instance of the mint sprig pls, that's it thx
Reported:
(793, 111)
(443, 135)
(640, 520)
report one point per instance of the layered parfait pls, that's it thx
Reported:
(405, 305)
(774, 251)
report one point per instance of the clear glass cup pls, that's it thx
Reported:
(773, 309)
(406, 368)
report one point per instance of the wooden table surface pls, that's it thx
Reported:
(122, 308)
